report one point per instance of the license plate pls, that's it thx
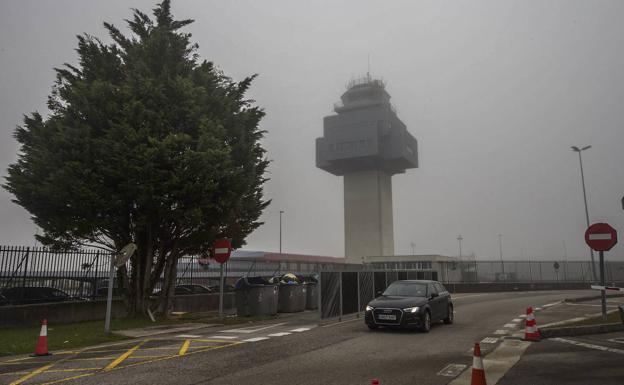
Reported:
(391, 317)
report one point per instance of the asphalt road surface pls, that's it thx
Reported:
(294, 351)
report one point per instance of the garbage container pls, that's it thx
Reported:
(292, 294)
(312, 295)
(255, 296)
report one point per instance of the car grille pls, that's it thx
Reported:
(380, 319)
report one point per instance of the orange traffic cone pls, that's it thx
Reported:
(42, 344)
(478, 374)
(531, 332)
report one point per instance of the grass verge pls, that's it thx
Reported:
(612, 317)
(22, 340)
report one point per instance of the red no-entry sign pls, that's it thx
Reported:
(222, 250)
(601, 237)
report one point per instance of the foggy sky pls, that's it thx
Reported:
(495, 92)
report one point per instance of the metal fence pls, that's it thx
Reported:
(528, 271)
(76, 273)
(84, 273)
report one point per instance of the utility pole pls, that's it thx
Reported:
(280, 231)
(591, 252)
(500, 247)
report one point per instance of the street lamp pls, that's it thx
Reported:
(591, 252)
(459, 240)
(280, 234)
(500, 247)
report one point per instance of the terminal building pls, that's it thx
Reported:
(366, 143)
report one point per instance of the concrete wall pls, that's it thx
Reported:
(67, 312)
(368, 215)
(491, 287)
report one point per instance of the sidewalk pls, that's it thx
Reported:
(582, 360)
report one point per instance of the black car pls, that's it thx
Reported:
(23, 295)
(410, 304)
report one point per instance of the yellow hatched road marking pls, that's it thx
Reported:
(71, 370)
(32, 374)
(69, 378)
(199, 350)
(184, 347)
(122, 358)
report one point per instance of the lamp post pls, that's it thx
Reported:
(591, 252)
(459, 240)
(280, 231)
(500, 248)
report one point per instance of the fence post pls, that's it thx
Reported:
(25, 268)
(340, 292)
(320, 295)
(95, 276)
(540, 266)
(358, 294)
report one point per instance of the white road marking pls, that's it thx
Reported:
(452, 370)
(468, 295)
(522, 316)
(589, 346)
(510, 326)
(537, 309)
(223, 337)
(188, 336)
(516, 320)
(499, 332)
(279, 334)
(618, 340)
(299, 330)
(251, 329)
(256, 339)
(489, 340)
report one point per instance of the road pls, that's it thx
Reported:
(294, 350)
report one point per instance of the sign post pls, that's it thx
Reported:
(601, 237)
(116, 261)
(222, 250)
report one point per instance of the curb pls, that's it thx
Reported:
(571, 331)
(591, 297)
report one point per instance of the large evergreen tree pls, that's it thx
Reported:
(144, 143)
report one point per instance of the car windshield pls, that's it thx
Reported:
(406, 289)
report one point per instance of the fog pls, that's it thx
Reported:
(496, 92)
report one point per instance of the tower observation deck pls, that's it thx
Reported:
(366, 143)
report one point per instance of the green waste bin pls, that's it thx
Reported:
(312, 295)
(292, 298)
(255, 298)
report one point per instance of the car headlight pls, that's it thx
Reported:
(369, 308)
(411, 309)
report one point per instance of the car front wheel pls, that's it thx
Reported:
(372, 327)
(426, 323)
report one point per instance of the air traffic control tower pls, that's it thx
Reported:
(366, 143)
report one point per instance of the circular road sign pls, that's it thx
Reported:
(222, 250)
(601, 237)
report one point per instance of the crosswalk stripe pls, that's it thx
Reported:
(256, 339)
(279, 334)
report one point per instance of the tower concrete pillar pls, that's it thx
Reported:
(368, 214)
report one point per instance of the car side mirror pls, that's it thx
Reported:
(434, 295)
